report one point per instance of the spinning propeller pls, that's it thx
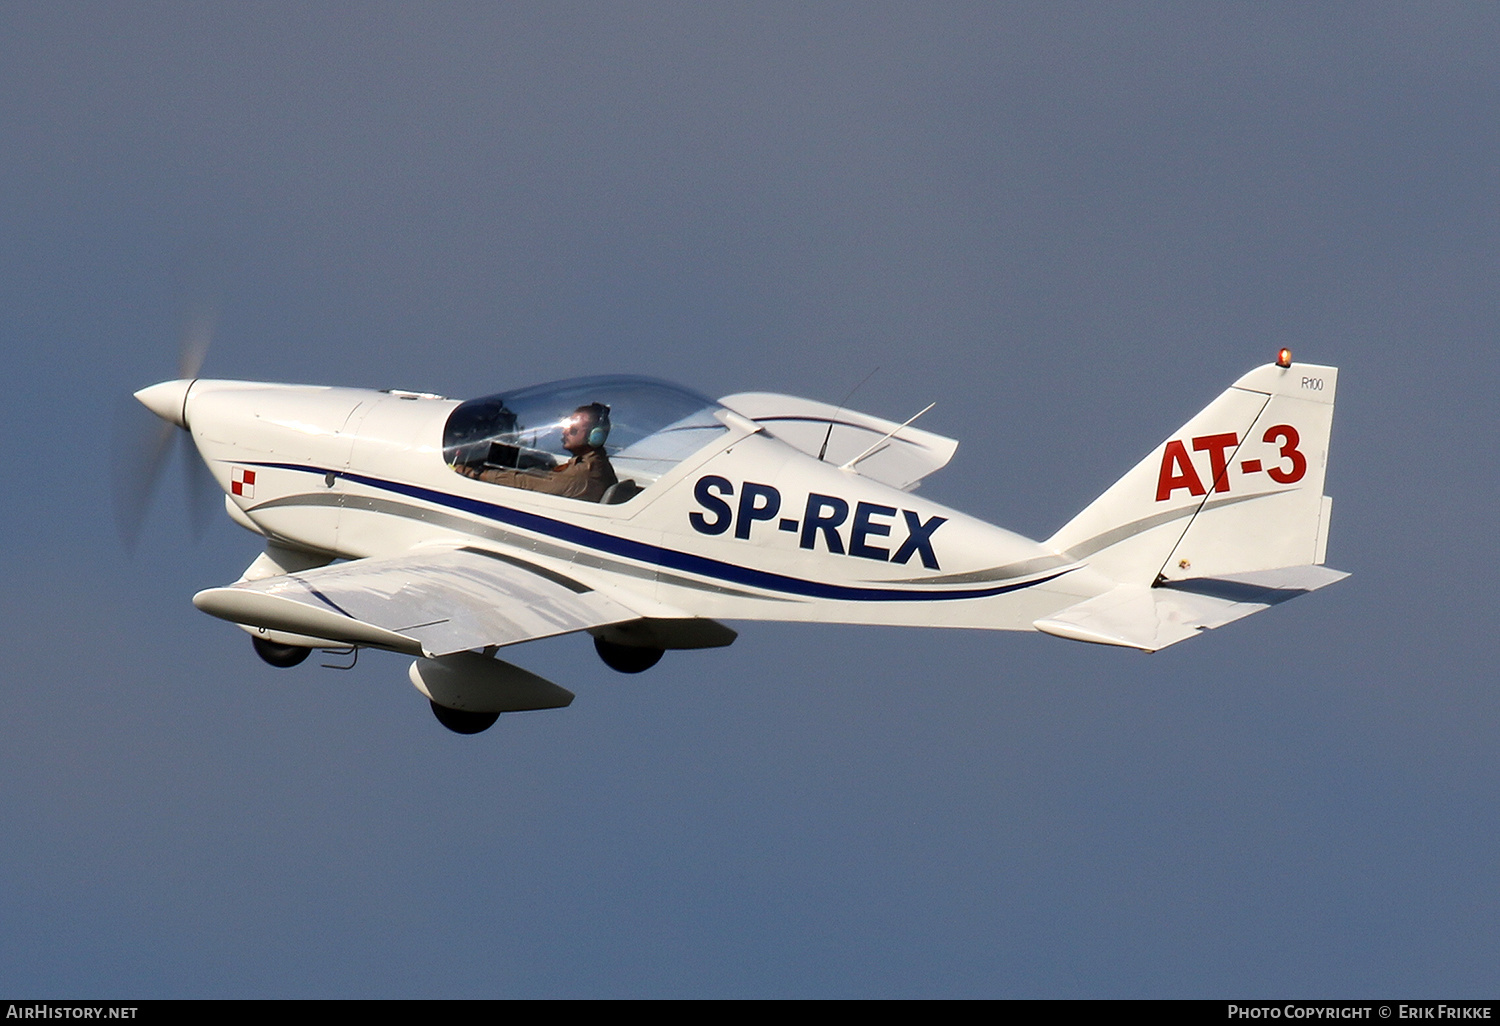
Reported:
(143, 442)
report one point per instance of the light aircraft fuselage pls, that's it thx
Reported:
(753, 507)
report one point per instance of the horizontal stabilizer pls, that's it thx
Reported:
(1135, 616)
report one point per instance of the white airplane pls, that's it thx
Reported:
(643, 514)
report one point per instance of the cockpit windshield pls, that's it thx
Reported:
(602, 439)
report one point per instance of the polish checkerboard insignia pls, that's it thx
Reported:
(242, 482)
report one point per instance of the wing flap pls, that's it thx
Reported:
(429, 604)
(1133, 616)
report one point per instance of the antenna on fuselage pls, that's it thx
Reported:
(886, 437)
(842, 402)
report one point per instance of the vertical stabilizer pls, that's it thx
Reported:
(1238, 488)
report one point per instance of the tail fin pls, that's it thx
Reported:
(1238, 488)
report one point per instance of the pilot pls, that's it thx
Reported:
(586, 476)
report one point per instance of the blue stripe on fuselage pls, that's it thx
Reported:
(655, 555)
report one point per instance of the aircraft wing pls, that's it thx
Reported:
(1134, 616)
(429, 604)
(900, 461)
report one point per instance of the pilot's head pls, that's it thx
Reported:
(586, 429)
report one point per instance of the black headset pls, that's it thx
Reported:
(600, 431)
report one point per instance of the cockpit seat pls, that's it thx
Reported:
(622, 490)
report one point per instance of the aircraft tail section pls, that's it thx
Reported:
(1150, 619)
(1237, 489)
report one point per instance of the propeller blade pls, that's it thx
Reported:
(142, 446)
(204, 496)
(143, 442)
(196, 335)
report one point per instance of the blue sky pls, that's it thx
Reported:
(1071, 226)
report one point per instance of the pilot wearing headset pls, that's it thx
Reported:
(586, 476)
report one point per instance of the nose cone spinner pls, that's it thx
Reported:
(168, 400)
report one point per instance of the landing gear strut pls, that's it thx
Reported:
(279, 655)
(627, 658)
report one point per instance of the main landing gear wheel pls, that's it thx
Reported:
(462, 722)
(627, 658)
(283, 656)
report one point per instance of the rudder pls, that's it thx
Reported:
(1237, 488)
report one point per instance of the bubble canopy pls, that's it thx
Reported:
(654, 425)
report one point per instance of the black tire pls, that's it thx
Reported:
(461, 721)
(627, 658)
(283, 656)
